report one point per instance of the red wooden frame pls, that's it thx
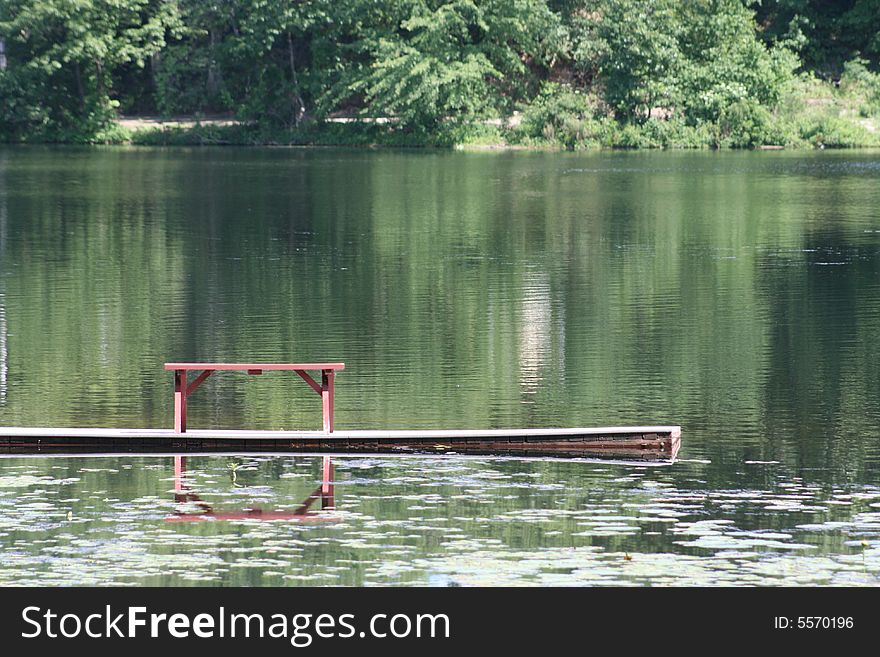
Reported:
(182, 494)
(182, 390)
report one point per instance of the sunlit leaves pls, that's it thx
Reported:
(62, 55)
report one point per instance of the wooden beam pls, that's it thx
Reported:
(308, 379)
(198, 381)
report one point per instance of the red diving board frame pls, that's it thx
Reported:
(182, 495)
(182, 390)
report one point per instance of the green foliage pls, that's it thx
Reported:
(695, 57)
(563, 117)
(660, 133)
(188, 81)
(815, 113)
(560, 114)
(723, 63)
(746, 123)
(835, 132)
(582, 73)
(311, 134)
(639, 55)
(449, 63)
(251, 57)
(858, 80)
(61, 57)
(824, 34)
(272, 58)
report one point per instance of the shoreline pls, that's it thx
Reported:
(190, 131)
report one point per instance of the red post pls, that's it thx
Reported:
(327, 483)
(327, 399)
(179, 472)
(179, 401)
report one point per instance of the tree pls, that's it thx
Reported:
(639, 58)
(694, 57)
(723, 62)
(194, 73)
(61, 55)
(447, 63)
(273, 49)
(829, 33)
(860, 30)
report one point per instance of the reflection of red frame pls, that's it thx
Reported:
(300, 514)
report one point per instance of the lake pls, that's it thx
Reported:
(735, 294)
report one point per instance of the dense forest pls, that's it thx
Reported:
(562, 73)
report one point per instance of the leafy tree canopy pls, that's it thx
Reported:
(425, 66)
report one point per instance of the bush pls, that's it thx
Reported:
(26, 115)
(313, 133)
(863, 84)
(664, 133)
(551, 108)
(746, 124)
(835, 132)
(20, 113)
(563, 115)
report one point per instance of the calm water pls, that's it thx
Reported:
(736, 294)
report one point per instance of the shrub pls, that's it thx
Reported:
(664, 133)
(551, 108)
(863, 84)
(835, 132)
(566, 116)
(745, 124)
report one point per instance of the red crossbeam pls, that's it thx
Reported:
(254, 366)
(305, 376)
(190, 389)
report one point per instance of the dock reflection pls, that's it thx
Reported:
(183, 494)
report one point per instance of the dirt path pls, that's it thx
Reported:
(150, 122)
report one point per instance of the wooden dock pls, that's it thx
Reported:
(647, 442)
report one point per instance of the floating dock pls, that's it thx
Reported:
(648, 442)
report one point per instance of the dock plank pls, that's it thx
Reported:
(617, 441)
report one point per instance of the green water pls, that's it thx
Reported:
(735, 294)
